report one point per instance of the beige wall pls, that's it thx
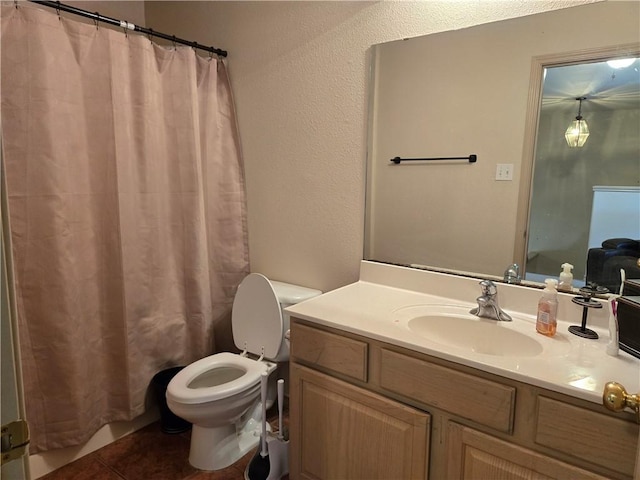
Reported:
(129, 10)
(299, 73)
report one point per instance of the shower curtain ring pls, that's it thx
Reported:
(175, 46)
(15, 2)
(150, 34)
(97, 19)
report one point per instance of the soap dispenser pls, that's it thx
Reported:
(546, 322)
(566, 278)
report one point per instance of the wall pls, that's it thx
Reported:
(129, 10)
(300, 74)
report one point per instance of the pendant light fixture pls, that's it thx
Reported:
(577, 133)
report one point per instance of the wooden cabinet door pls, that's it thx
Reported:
(473, 455)
(339, 431)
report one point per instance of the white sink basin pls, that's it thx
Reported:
(454, 326)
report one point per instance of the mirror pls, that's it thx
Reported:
(597, 183)
(478, 91)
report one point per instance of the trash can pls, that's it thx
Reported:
(169, 422)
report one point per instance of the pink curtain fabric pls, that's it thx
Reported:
(127, 214)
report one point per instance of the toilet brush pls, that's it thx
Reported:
(278, 444)
(258, 468)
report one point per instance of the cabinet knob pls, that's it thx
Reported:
(616, 399)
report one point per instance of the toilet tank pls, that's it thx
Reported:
(288, 295)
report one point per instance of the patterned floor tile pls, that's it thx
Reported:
(150, 454)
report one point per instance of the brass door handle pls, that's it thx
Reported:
(616, 399)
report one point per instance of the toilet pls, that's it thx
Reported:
(220, 394)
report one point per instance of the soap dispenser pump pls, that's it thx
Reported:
(566, 278)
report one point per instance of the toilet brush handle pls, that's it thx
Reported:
(263, 397)
(280, 408)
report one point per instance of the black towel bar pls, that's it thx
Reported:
(471, 159)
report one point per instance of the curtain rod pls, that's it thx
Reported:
(129, 26)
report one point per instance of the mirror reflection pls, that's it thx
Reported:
(488, 90)
(585, 189)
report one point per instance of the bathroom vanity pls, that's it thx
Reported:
(372, 396)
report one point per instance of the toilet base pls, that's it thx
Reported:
(215, 448)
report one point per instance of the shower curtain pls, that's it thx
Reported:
(127, 214)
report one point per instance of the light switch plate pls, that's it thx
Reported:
(504, 171)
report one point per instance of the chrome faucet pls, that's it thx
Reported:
(512, 274)
(488, 303)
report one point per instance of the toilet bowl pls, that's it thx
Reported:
(220, 394)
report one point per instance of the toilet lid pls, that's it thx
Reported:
(256, 318)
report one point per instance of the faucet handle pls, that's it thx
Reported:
(488, 287)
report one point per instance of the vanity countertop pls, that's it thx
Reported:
(568, 364)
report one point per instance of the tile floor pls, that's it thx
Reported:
(148, 454)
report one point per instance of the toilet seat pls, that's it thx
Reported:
(249, 373)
